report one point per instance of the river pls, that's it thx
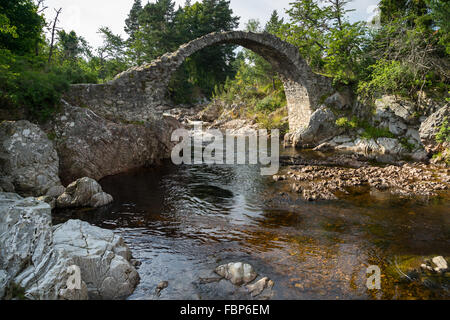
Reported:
(181, 222)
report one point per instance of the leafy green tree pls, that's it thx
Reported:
(211, 65)
(325, 37)
(6, 28)
(132, 26)
(112, 58)
(155, 34)
(21, 26)
(440, 13)
(72, 46)
(409, 47)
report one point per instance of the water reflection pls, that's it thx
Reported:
(181, 222)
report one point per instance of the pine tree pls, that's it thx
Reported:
(132, 22)
(274, 24)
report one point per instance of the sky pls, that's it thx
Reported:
(85, 17)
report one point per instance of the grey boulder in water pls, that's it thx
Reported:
(84, 192)
(237, 272)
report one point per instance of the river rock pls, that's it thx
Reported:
(91, 146)
(211, 113)
(382, 149)
(101, 199)
(237, 272)
(390, 105)
(441, 264)
(84, 192)
(258, 287)
(29, 163)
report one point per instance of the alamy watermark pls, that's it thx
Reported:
(374, 278)
(212, 147)
(74, 280)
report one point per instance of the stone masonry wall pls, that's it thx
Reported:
(134, 94)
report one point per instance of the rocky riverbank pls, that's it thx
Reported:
(38, 260)
(393, 129)
(337, 176)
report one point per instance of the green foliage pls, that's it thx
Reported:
(410, 41)
(24, 85)
(444, 132)
(273, 121)
(275, 23)
(21, 26)
(369, 131)
(271, 102)
(326, 39)
(440, 13)
(348, 124)
(407, 145)
(407, 53)
(386, 77)
(158, 28)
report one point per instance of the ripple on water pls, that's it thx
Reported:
(181, 222)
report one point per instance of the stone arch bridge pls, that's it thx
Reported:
(134, 94)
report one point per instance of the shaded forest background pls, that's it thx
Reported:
(404, 51)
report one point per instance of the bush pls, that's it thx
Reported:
(370, 132)
(387, 77)
(23, 85)
(271, 122)
(344, 122)
(40, 93)
(271, 102)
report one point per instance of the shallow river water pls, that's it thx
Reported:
(183, 221)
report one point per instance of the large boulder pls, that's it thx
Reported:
(431, 126)
(29, 163)
(339, 101)
(382, 149)
(27, 257)
(211, 113)
(91, 146)
(390, 106)
(84, 192)
(103, 257)
(322, 126)
(37, 260)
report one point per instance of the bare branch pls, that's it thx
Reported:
(58, 12)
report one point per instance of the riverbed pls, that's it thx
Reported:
(181, 222)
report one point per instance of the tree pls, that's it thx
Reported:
(132, 22)
(211, 65)
(155, 34)
(275, 23)
(409, 47)
(440, 11)
(21, 30)
(112, 54)
(326, 38)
